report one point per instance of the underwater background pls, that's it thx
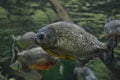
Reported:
(20, 16)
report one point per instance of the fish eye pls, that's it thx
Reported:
(41, 36)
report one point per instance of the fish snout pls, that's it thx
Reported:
(39, 37)
(36, 40)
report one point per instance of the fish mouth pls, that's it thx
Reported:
(36, 40)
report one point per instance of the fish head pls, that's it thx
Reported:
(45, 37)
(113, 28)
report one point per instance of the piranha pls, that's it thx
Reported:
(29, 54)
(70, 41)
(36, 58)
(112, 28)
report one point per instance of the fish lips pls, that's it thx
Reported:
(36, 40)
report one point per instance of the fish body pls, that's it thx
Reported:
(68, 40)
(36, 58)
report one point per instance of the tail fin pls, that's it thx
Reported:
(111, 44)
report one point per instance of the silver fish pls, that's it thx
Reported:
(36, 58)
(68, 40)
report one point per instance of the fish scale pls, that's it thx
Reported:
(88, 42)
